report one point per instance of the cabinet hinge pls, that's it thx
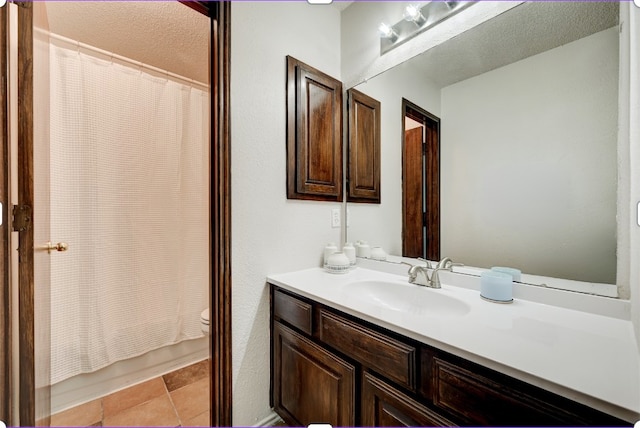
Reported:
(21, 218)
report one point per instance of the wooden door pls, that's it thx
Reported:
(5, 234)
(420, 184)
(363, 153)
(314, 133)
(31, 222)
(310, 384)
(18, 212)
(412, 200)
(385, 406)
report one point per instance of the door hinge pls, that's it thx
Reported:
(424, 219)
(21, 218)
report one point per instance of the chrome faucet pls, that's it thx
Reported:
(445, 264)
(419, 275)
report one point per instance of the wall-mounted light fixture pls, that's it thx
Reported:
(417, 18)
(413, 14)
(387, 33)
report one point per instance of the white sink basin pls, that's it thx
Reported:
(409, 298)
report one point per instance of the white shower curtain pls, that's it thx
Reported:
(129, 194)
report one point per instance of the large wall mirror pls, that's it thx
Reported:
(528, 110)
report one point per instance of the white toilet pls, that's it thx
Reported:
(204, 321)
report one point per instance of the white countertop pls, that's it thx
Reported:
(587, 357)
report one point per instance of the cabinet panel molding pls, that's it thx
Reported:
(310, 385)
(293, 311)
(314, 134)
(383, 405)
(363, 154)
(479, 396)
(391, 358)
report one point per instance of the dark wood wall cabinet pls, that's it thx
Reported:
(330, 367)
(314, 134)
(363, 155)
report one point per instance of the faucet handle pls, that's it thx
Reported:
(410, 266)
(426, 261)
(448, 266)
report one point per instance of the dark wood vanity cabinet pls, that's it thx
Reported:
(330, 367)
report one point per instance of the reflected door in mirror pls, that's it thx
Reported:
(420, 183)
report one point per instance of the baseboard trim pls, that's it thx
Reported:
(269, 420)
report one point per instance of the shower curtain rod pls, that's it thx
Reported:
(121, 58)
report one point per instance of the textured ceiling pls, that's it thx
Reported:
(173, 37)
(521, 32)
(164, 34)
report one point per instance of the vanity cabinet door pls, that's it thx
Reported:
(314, 134)
(363, 154)
(385, 406)
(310, 385)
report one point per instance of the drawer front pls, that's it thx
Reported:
(293, 311)
(389, 357)
(476, 399)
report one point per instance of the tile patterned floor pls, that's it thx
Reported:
(180, 398)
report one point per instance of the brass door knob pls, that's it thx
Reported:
(60, 246)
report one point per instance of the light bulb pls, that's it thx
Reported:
(412, 14)
(387, 32)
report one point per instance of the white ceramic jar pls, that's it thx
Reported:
(350, 251)
(329, 249)
(377, 253)
(363, 250)
(338, 263)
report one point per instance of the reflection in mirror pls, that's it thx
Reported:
(420, 183)
(528, 109)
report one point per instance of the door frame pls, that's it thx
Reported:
(5, 234)
(221, 381)
(219, 236)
